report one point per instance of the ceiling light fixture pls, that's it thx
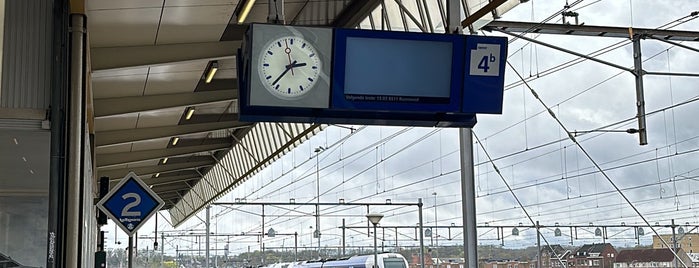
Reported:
(243, 12)
(213, 67)
(175, 140)
(157, 174)
(15, 140)
(165, 160)
(190, 112)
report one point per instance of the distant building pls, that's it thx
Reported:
(415, 260)
(695, 259)
(554, 256)
(505, 264)
(689, 242)
(650, 258)
(593, 255)
(445, 262)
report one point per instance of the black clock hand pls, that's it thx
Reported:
(288, 67)
(287, 50)
(296, 65)
(281, 75)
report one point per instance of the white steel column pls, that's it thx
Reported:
(468, 196)
(75, 139)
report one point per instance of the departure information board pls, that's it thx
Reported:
(351, 76)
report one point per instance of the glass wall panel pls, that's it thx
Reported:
(24, 159)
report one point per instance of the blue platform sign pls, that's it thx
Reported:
(130, 203)
(484, 79)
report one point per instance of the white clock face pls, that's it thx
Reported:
(289, 67)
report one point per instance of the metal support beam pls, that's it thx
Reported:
(482, 12)
(675, 43)
(640, 100)
(108, 160)
(566, 50)
(135, 104)
(111, 58)
(671, 74)
(115, 137)
(406, 11)
(170, 179)
(117, 174)
(275, 12)
(585, 30)
(453, 17)
(172, 188)
(355, 13)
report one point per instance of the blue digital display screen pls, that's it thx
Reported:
(397, 70)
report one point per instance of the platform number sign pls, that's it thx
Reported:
(485, 60)
(130, 203)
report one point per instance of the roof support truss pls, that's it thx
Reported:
(111, 58)
(115, 106)
(117, 174)
(164, 180)
(116, 137)
(113, 159)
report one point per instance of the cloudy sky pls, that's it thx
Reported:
(555, 179)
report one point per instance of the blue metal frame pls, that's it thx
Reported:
(468, 94)
(453, 103)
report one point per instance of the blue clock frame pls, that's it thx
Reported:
(454, 105)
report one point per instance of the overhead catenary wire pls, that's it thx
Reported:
(595, 134)
(604, 174)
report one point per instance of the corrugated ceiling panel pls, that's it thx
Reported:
(20, 124)
(26, 59)
(241, 162)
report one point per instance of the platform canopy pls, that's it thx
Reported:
(156, 114)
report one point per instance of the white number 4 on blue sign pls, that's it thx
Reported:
(485, 60)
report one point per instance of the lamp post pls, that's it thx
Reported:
(436, 233)
(374, 218)
(318, 150)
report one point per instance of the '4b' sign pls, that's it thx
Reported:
(485, 60)
(130, 203)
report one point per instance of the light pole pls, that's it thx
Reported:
(318, 150)
(436, 234)
(374, 218)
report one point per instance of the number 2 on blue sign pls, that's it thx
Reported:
(126, 211)
(483, 64)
